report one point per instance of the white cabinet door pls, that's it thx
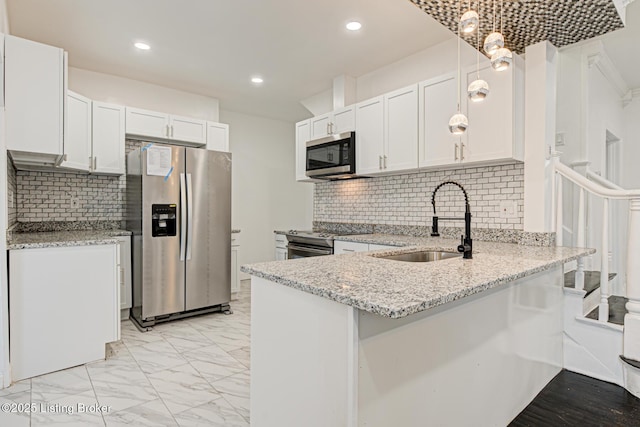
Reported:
(340, 247)
(188, 130)
(67, 308)
(495, 125)
(77, 139)
(126, 297)
(303, 134)
(147, 123)
(108, 139)
(35, 95)
(320, 126)
(217, 136)
(344, 120)
(281, 254)
(369, 136)
(235, 267)
(281, 251)
(437, 103)
(401, 130)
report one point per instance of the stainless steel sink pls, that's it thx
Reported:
(424, 256)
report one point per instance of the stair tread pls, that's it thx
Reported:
(617, 310)
(591, 280)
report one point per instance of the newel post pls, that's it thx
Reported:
(632, 318)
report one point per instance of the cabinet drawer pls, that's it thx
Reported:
(346, 247)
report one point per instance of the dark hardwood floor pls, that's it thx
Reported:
(572, 399)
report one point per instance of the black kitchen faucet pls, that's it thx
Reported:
(466, 244)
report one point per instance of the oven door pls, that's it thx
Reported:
(303, 251)
(332, 155)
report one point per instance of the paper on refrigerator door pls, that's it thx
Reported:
(158, 161)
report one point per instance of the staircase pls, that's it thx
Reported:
(601, 331)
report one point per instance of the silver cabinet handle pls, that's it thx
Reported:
(166, 131)
(171, 131)
(331, 127)
(95, 163)
(461, 151)
(190, 215)
(379, 162)
(455, 152)
(328, 133)
(384, 161)
(183, 217)
(90, 162)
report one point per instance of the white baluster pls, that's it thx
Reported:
(603, 312)
(559, 219)
(580, 242)
(632, 318)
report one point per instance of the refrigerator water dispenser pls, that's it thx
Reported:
(163, 220)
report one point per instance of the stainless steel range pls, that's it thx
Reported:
(304, 244)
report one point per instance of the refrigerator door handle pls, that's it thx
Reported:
(190, 215)
(183, 217)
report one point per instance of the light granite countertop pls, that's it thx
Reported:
(397, 289)
(64, 238)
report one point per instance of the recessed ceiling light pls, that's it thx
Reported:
(256, 80)
(354, 26)
(142, 46)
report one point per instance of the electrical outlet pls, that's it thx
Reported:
(75, 203)
(508, 209)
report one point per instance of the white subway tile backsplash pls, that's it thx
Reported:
(406, 199)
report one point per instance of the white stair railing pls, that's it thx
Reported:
(607, 191)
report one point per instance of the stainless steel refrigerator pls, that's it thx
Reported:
(179, 211)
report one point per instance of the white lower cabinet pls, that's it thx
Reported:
(124, 269)
(64, 305)
(235, 272)
(340, 247)
(281, 247)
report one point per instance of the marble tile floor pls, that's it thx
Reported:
(192, 372)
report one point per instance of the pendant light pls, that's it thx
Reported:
(495, 40)
(478, 89)
(458, 123)
(501, 58)
(469, 20)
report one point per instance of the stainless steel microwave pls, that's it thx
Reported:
(332, 157)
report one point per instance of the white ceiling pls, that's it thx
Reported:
(213, 47)
(623, 47)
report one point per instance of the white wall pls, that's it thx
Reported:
(428, 63)
(265, 194)
(631, 149)
(134, 93)
(4, 18)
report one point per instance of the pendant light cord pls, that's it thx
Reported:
(478, 45)
(494, 16)
(501, 20)
(459, 25)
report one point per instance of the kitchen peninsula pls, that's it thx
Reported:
(356, 339)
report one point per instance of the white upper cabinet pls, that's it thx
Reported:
(147, 123)
(35, 95)
(77, 138)
(496, 130)
(108, 139)
(94, 140)
(338, 121)
(320, 126)
(217, 136)
(387, 133)
(401, 130)
(303, 134)
(188, 130)
(370, 136)
(162, 127)
(437, 103)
